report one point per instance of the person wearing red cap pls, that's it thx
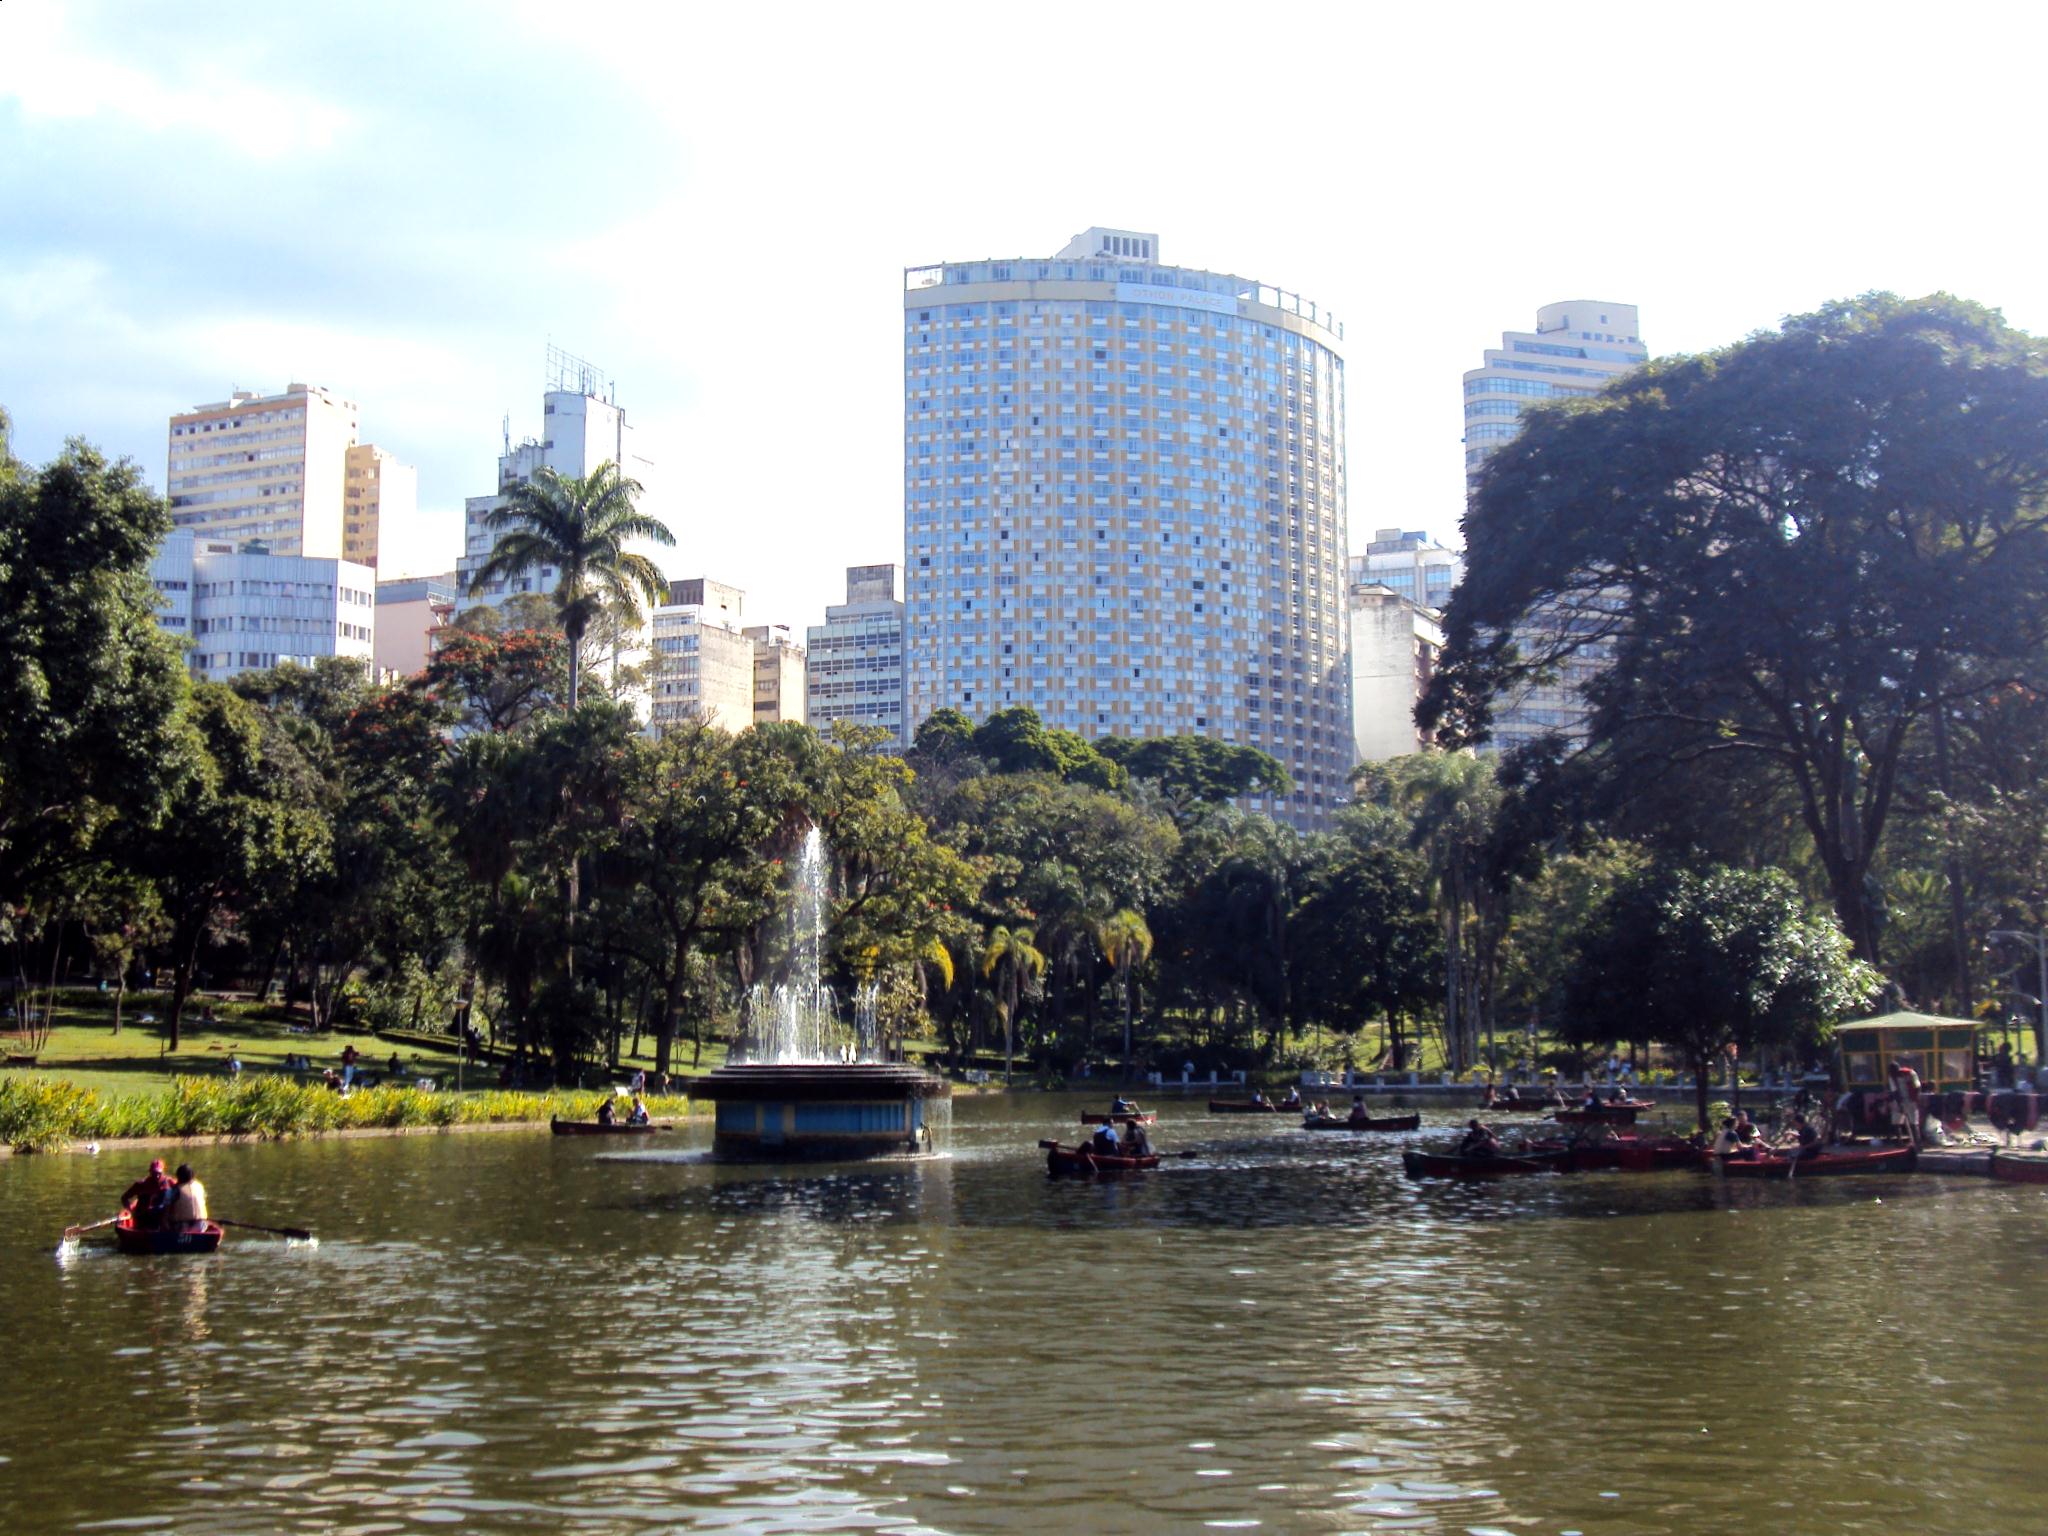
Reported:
(145, 1199)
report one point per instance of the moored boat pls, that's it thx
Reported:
(2019, 1170)
(1655, 1156)
(1823, 1164)
(1080, 1160)
(1408, 1122)
(1136, 1117)
(598, 1128)
(1450, 1165)
(1611, 1113)
(129, 1238)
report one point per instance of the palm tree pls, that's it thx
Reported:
(1012, 956)
(579, 526)
(1125, 942)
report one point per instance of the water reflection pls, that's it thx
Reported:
(1280, 1332)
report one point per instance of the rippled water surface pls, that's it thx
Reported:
(510, 1332)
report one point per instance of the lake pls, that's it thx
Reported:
(513, 1332)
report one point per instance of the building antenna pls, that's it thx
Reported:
(506, 428)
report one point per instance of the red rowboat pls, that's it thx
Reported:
(130, 1238)
(1602, 1114)
(597, 1128)
(1655, 1156)
(2019, 1170)
(1824, 1164)
(1449, 1165)
(1136, 1117)
(1079, 1160)
(1344, 1123)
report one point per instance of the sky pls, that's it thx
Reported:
(408, 203)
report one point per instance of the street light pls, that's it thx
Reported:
(2038, 943)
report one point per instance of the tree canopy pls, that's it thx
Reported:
(1798, 550)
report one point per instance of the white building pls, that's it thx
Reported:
(1395, 642)
(269, 467)
(1409, 564)
(1578, 347)
(703, 667)
(246, 609)
(856, 656)
(1124, 504)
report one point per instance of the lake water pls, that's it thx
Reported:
(512, 1332)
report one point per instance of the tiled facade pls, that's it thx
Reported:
(267, 467)
(1124, 504)
(856, 656)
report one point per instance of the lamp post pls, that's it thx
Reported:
(2038, 943)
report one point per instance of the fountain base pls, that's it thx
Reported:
(826, 1111)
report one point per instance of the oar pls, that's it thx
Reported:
(249, 1226)
(91, 1226)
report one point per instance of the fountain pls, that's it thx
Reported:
(802, 1082)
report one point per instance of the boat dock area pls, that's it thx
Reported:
(2012, 1163)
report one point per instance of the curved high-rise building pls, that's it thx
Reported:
(1124, 504)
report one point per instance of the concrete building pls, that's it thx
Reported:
(1395, 642)
(778, 674)
(381, 523)
(1409, 564)
(1577, 348)
(584, 427)
(1124, 503)
(246, 609)
(703, 666)
(409, 611)
(268, 467)
(856, 657)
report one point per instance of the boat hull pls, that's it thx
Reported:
(1445, 1165)
(592, 1128)
(138, 1240)
(1384, 1123)
(1072, 1161)
(2020, 1170)
(1822, 1165)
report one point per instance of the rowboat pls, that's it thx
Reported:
(1345, 1123)
(1136, 1117)
(1247, 1107)
(1449, 1165)
(129, 1238)
(1824, 1164)
(598, 1128)
(1600, 1114)
(1079, 1160)
(2019, 1170)
(1633, 1155)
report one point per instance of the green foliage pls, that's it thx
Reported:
(1198, 771)
(1800, 552)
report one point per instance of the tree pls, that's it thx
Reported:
(1011, 959)
(1197, 772)
(578, 526)
(92, 692)
(1126, 943)
(1708, 960)
(1363, 942)
(1799, 549)
(497, 678)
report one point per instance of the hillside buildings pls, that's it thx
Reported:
(1124, 503)
(245, 609)
(1577, 348)
(286, 469)
(856, 657)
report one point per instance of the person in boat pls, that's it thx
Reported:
(1726, 1143)
(145, 1199)
(1293, 1099)
(1358, 1115)
(1122, 1106)
(187, 1210)
(1806, 1137)
(605, 1114)
(1104, 1143)
(1259, 1098)
(1490, 1099)
(1746, 1134)
(1135, 1142)
(637, 1115)
(1591, 1100)
(1478, 1141)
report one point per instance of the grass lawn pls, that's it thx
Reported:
(83, 1048)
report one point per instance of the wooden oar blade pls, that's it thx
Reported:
(297, 1234)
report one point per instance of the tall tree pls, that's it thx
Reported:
(1796, 549)
(578, 526)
